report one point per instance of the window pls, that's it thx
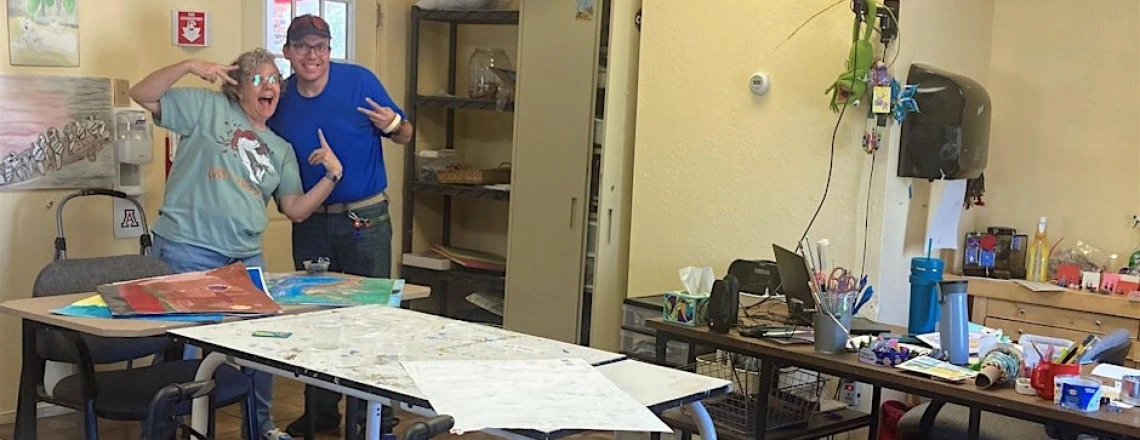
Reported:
(281, 13)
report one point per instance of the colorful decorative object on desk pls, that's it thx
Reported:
(686, 309)
(885, 352)
(1002, 365)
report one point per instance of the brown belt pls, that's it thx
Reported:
(341, 208)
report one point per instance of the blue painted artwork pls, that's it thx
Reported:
(333, 289)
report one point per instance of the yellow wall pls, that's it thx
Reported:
(955, 36)
(137, 42)
(1065, 136)
(721, 174)
(119, 39)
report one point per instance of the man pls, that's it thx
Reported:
(353, 228)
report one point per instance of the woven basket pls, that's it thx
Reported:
(491, 176)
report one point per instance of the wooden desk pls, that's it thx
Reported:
(1001, 400)
(1072, 314)
(39, 310)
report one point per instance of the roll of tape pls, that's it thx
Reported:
(1130, 390)
(1024, 386)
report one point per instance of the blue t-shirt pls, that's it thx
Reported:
(349, 132)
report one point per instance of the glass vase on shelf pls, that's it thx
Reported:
(484, 83)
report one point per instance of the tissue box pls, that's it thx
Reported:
(686, 309)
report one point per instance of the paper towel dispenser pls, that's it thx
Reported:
(949, 136)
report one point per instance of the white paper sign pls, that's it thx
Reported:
(947, 197)
(127, 219)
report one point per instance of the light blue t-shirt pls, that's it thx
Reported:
(224, 173)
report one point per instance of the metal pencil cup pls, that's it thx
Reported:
(832, 323)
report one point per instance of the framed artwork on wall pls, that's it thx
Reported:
(43, 33)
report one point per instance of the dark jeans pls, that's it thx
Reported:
(366, 252)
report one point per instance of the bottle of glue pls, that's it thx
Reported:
(1037, 261)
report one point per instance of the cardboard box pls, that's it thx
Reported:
(685, 309)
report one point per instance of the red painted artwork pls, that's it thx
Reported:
(228, 289)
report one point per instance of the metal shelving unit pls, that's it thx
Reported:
(476, 192)
(442, 281)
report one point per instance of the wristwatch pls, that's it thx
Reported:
(333, 177)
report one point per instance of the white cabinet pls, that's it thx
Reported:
(568, 240)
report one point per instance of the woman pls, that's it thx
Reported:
(227, 167)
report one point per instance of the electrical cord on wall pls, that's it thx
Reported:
(830, 170)
(867, 215)
(830, 162)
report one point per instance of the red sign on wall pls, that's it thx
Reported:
(190, 28)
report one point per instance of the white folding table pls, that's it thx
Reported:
(355, 371)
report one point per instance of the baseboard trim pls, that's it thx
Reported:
(43, 410)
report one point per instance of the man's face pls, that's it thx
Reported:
(309, 57)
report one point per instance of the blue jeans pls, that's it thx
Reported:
(182, 257)
(365, 252)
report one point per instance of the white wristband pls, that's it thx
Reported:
(394, 125)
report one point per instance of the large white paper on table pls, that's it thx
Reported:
(942, 225)
(542, 395)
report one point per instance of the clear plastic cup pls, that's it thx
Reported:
(327, 334)
(392, 350)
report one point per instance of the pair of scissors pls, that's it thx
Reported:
(841, 281)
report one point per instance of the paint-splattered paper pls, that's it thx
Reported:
(543, 395)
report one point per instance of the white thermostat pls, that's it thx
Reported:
(759, 83)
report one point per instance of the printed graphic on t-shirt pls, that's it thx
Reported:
(252, 151)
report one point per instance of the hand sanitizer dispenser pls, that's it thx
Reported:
(133, 140)
(133, 147)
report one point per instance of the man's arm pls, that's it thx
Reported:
(402, 135)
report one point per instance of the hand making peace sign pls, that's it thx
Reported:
(381, 117)
(212, 71)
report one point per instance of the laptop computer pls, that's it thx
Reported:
(794, 279)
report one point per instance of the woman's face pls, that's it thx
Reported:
(260, 91)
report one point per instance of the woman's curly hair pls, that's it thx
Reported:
(247, 63)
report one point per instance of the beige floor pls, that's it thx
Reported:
(289, 403)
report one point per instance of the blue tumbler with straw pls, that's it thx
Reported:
(925, 273)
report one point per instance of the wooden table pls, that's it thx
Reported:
(1002, 400)
(38, 311)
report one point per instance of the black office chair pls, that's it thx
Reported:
(117, 394)
(937, 420)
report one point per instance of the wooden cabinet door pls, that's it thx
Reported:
(553, 131)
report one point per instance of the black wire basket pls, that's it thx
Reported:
(794, 399)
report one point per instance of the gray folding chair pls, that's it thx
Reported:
(117, 394)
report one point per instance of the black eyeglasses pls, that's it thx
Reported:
(320, 48)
